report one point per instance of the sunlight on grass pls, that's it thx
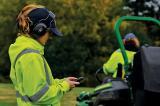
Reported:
(7, 95)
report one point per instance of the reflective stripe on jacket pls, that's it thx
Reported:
(29, 76)
(110, 67)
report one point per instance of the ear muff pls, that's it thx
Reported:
(39, 30)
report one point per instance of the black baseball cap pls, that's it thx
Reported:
(43, 15)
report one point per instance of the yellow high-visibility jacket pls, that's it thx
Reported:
(28, 74)
(110, 67)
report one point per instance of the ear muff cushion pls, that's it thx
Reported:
(39, 30)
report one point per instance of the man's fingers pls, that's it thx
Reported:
(72, 78)
(73, 84)
(76, 83)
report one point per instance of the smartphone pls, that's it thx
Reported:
(80, 79)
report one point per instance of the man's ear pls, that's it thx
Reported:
(124, 41)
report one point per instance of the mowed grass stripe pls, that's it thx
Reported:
(8, 98)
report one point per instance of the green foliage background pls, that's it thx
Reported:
(87, 26)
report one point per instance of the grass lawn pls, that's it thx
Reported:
(7, 95)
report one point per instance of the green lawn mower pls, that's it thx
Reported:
(113, 91)
(118, 91)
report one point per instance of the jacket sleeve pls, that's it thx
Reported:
(34, 79)
(110, 66)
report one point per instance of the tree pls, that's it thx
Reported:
(144, 7)
(87, 26)
(7, 32)
(149, 8)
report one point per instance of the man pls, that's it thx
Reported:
(30, 72)
(131, 44)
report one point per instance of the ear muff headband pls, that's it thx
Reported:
(39, 30)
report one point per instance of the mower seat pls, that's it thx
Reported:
(145, 78)
(118, 94)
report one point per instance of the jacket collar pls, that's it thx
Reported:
(30, 43)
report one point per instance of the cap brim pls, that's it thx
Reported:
(56, 32)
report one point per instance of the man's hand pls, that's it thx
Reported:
(72, 82)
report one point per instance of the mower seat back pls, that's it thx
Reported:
(146, 76)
